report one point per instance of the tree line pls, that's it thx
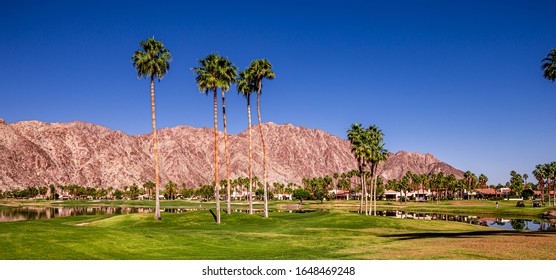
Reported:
(346, 185)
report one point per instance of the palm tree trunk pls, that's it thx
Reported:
(368, 194)
(372, 189)
(364, 186)
(374, 186)
(264, 150)
(554, 191)
(361, 192)
(250, 155)
(229, 207)
(155, 146)
(373, 193)
(216, 182)
(541, 182)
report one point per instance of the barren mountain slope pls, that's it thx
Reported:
(34, 153)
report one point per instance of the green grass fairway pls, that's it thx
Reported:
(315, 235)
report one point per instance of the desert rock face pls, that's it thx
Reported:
(34, 153)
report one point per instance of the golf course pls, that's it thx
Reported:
(333, 231)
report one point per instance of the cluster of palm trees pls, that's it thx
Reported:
(218, 72)
(214, 72)
(444, 186)
(368, 148)
(546, 175)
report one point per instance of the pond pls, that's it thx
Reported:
(12, 214)
(504, 223)
(34, 213)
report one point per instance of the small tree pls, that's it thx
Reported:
(320, 194)
(118, 194)
(301, 194)
(207, 192)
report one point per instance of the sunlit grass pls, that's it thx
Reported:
(315, 235)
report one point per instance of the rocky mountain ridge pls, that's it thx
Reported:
(34, 153)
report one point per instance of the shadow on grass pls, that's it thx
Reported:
(469, 234)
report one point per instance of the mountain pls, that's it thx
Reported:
(34, 153)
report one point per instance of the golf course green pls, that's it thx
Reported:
(333, 233)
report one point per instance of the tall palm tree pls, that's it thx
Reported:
(553, 167)
(209, 79)
(540, 175)
(549, 66)
(152, 61)
(551, 175)
(246, 86)
(259, 70)
(227, 75)
(377, 154)
(358, 137)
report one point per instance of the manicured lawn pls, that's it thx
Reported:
(316, 235)
(472, 207)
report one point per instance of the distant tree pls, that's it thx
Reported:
(133, 190)
(527, 194)
(483, 179)
(259, 193)
(301, 194)
(171, 189)
(540, 175)
(152, 61)
(110, 191)
(207, 192)
(516, 183)
(149, 186)
(320, 194)
(119, 194)
(53, 193)
(549, 65)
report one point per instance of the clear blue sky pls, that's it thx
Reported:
(458, 79)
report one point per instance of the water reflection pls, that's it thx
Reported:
(504, 223)
(36, 213)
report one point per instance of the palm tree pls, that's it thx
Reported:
(336, 175)
(209, 78)
(259, 70)
(377, 155)
(553, 168)
(483, 179)
(227, 76)
(549, 65)
(171, 188)
(246, 86)
(358, 137)
(551, 175)
(152, 61)
(540, 175)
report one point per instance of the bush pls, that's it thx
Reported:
(301, 194)
(527, 194)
